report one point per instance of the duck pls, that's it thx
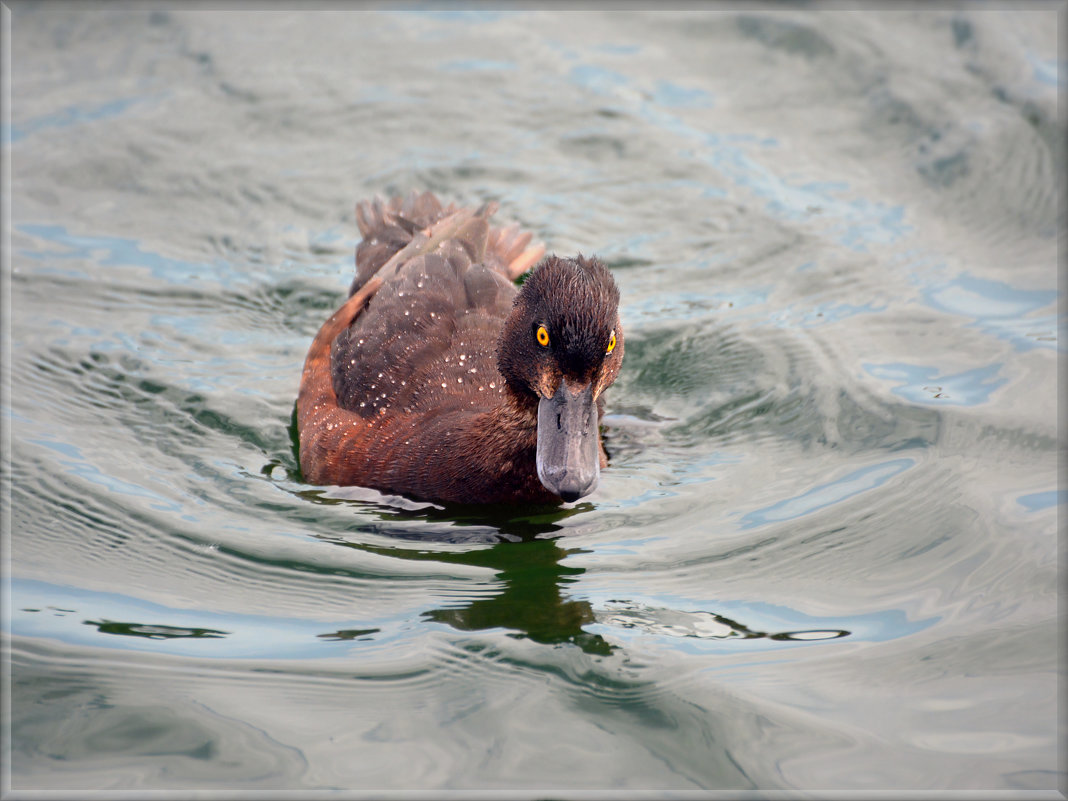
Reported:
(466, 366)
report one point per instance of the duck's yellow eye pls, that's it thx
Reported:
(611, 342)
(543, 336)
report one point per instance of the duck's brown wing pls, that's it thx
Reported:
(320, 421)
(507, 251)
(428, 336)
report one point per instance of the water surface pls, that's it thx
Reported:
(824, 555)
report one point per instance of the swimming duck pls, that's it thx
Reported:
(442, 380)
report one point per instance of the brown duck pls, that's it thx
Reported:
(440, 379)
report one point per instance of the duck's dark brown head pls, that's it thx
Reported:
(560, 348)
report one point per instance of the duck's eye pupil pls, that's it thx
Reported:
(543, 336)
(611, 342)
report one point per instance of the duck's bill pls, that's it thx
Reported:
(568, 455)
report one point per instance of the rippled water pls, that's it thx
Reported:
(824, 556)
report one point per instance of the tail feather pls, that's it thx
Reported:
(389, 227)
(508, 247)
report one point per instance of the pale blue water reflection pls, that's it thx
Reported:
(1000, 309)
(74, 116)
(825, 495)
(114, 251)
(1037, 501)
(921, 384)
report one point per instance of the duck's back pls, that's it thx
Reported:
(427, 338)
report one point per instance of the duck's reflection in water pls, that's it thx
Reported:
(534, 602)
(526, 553)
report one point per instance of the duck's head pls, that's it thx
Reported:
(560, 348)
